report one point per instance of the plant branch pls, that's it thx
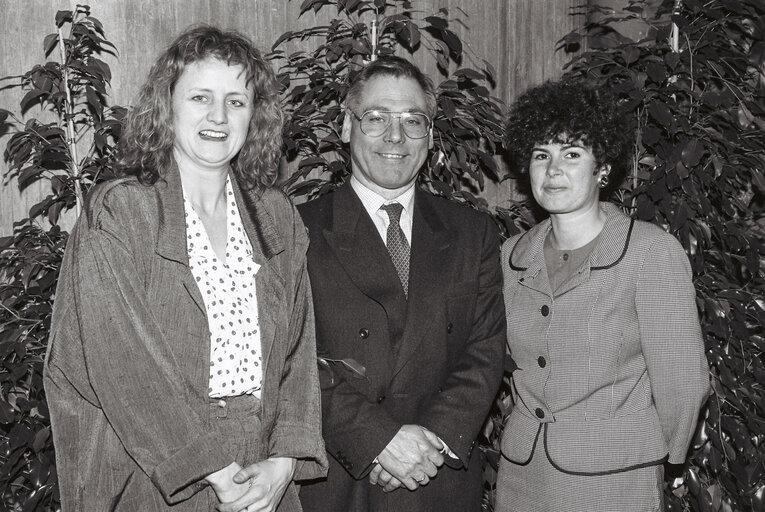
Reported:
(68, 113)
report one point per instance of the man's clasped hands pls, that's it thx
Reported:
(410, 459)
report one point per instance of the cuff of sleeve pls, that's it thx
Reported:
(178, 478)
(303, 445)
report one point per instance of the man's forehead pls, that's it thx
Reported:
(388, 91)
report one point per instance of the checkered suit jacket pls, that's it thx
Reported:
(612, 372)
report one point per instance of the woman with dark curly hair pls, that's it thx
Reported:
(181, 372)
(601, 319)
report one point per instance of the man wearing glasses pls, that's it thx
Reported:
(410, 321)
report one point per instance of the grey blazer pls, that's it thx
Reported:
(127, 369)
(611, 369)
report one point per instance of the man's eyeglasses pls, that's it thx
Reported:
(373, 123)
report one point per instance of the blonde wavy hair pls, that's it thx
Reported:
(146, 145)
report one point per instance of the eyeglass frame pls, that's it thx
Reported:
(390, 123)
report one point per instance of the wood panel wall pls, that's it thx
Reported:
(517, 36)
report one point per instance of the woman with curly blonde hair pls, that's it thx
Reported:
(181, 372)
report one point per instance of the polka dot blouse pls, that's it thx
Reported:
(228, 290)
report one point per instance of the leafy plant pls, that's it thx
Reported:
(73, 151)
(467, 131)
(696, 88)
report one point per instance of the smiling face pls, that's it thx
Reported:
(564, 178)
(212, 108)
(387, 164)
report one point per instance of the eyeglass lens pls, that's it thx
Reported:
(414, 124)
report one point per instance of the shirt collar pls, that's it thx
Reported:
(372, 201)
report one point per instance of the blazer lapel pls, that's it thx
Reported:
(269, 281)
(431, 241)
(527, 258)
(171, 233)
(359, 249)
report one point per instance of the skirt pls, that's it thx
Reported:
(539, 487)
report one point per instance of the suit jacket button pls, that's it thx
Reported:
(380, 399)
(541, 361)
(540, 413)
(449, 328)
(545, 310)
(363, 333)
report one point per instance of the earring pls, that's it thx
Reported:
(603, 182)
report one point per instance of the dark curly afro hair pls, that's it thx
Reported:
(569, 111)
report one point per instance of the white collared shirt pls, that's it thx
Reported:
(372, 202)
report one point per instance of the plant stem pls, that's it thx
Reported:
(374, 39)
(70, 133)
(675, 29)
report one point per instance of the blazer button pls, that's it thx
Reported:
(540, 413)
(545, 310)
(363, 333)
(541, 361)
(380, 399)
(449, 328)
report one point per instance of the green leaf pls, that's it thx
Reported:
(661, 113)
(29, 175)
(745, 117)
(49, 43)
(437, 22)
(758, 179)
(414, 34)
(692, 153)
(447, 108)
(454, 43)
(7, 414)
(316, 5)
(95, 106)
(31, 98)
(468, 73)
(41, 439)
(63, 17)
(656, 72)
(313, 162)
(282, 38)
(630, 54)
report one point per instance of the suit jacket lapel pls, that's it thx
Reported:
(269, 281)
(430, 253)
(171, 233)
(359, 249)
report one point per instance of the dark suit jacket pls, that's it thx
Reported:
(127, 368)
(435, 360)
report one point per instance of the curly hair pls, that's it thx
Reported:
(398, 67)
(146, 146)
(568, 111)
